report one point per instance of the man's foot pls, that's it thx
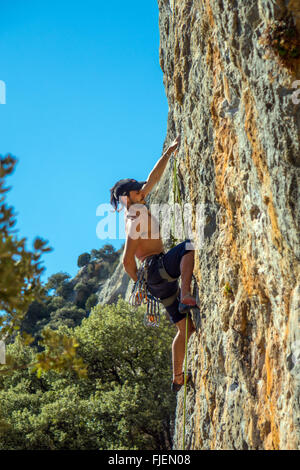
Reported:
(186, 303)
(176, 386)
(188, 299)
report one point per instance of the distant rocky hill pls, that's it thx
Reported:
(68, 300)
(118, 284)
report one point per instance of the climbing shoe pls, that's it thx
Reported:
(176, 387)
(188, 302)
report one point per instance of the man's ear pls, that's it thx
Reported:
(123, 200)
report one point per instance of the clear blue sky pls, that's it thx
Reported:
(85, 107)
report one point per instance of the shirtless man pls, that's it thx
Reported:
(179, 261)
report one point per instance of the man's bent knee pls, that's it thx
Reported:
(181, 324)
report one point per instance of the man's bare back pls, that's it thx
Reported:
(148, 243)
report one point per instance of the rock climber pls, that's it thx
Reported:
(163, 269)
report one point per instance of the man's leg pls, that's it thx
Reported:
(178, 349)
(186, 270)
(178, 346)
(177, 262)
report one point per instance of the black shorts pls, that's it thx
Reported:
(162, 288)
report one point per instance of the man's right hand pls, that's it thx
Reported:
(174, 145)
(158, 170)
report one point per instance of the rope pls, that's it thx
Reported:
(185, 379)
(177, 198)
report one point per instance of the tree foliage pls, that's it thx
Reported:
(91, 302)
(21, 290)
(20, 269)
(57, 280)
(83, 259)
(121, 400)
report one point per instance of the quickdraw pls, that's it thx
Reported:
(140, 295)
(139, 291)
(152, 316)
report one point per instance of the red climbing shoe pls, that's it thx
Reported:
(187, 302)
(176, 387)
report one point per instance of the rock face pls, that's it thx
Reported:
(239, 122)
(118, 284)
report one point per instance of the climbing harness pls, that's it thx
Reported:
(141, 295)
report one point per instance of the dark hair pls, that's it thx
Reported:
(114, 197)
(123, 188)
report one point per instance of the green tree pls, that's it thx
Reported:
(91, 302)
(106, 253)
(131, 365)
(20, 283)
(20, 269)
(83, 259)
(36, 318)
(57, 280)
(83, 291)
(123, 401)
(69, 315)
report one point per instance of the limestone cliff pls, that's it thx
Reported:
(232, 96)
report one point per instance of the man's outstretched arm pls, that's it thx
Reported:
(156, 173)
